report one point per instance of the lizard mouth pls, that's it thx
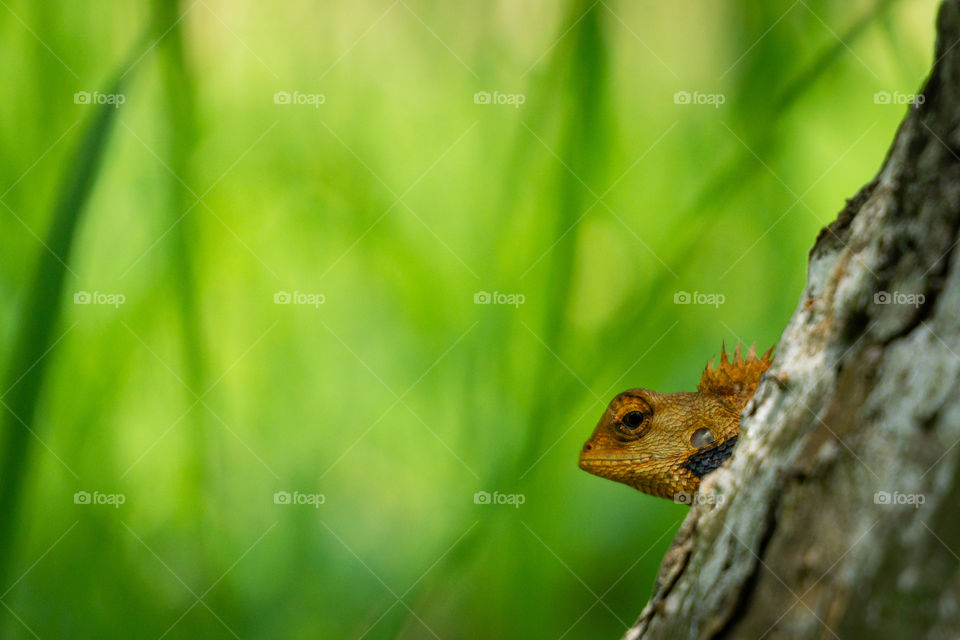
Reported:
(588, 462)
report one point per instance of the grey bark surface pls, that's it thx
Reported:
(839, 514)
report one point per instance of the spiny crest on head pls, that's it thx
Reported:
(735, 377)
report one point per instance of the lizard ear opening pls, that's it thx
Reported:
(701, 438)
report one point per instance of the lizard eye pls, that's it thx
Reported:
(701, 438)
(632, 420)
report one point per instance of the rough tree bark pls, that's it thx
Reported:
(815, 530)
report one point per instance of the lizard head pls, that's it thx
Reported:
(653, 441)
(664, 443)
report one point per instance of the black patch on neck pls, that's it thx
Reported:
(709, 458)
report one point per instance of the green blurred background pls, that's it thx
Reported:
(206, 195)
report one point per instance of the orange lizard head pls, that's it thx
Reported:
(664, 443)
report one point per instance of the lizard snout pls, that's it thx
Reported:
(584, 453)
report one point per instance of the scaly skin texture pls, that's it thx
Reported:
(664, 443)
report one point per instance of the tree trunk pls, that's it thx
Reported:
(837, 515)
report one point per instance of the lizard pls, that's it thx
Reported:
(663, 443)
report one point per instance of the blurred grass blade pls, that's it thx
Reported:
(581, 66)
(34, 336)
(179, 97)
